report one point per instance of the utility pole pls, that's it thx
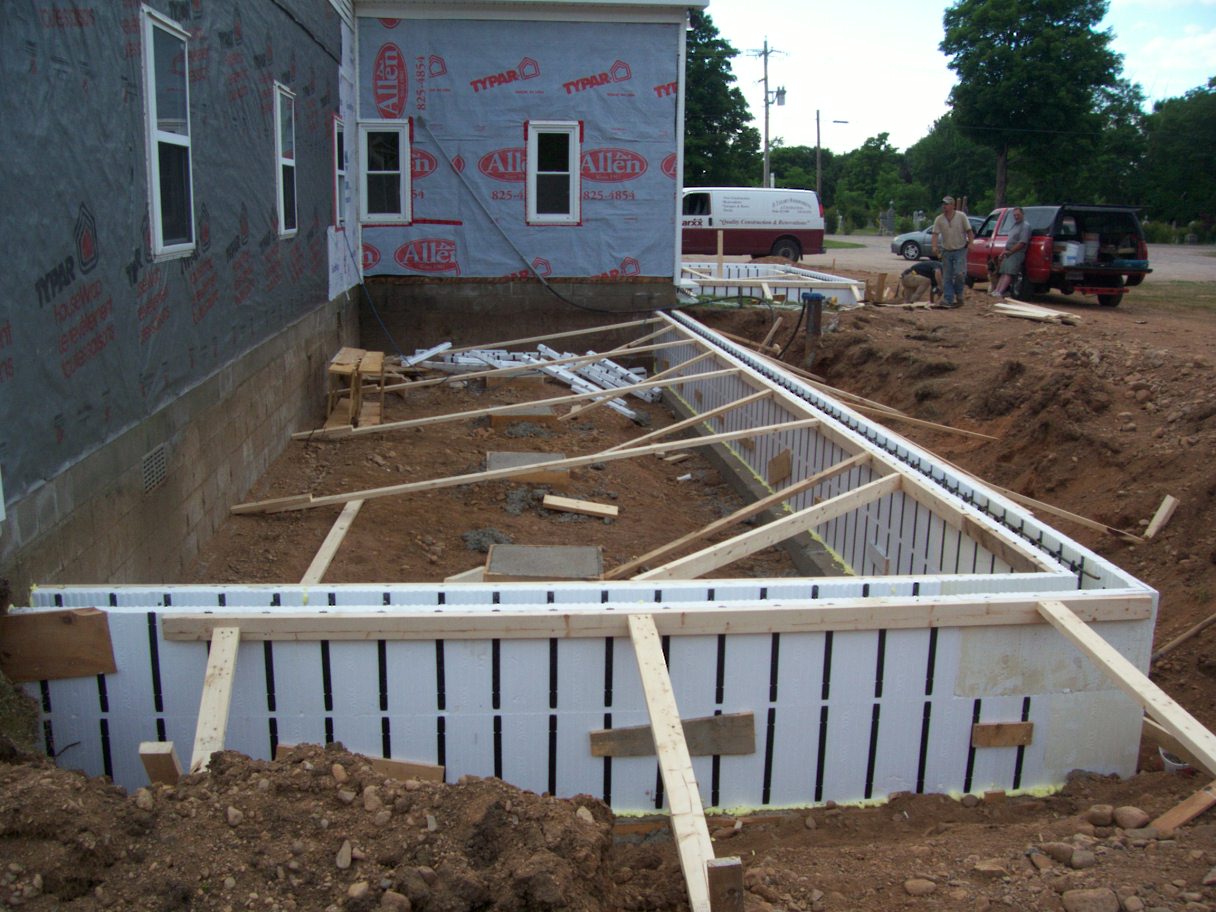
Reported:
(779, 95)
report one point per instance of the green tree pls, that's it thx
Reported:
(1029, 73)
(1180, 164)
(947, 162)
(720, 148)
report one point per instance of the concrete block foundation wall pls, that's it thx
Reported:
(419, 313)
(132, 513)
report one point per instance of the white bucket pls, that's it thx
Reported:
(1070, 253)
(1091, 248)
(1175, 765)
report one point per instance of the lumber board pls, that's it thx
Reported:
(344, 430)
(1157, 734)
(329, 547)
(1162, 516)
(52, 645)
(1022, 558)
(1200, 742)
(1187, 810)
(731, 550)
(1183, 637)
(307, 501)
(780, 467)
(726, 734)
(543, 622)
(385, 766)
(217, 696)
(744, 513)
(701, 418)
(1060, 513)
(160, 762)
(675, 765)
(1002, 734)
(725, 880)
(920, 422)
(585, 507)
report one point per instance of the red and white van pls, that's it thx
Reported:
(753, 221)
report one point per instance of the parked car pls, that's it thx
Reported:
(912, 245)
(1095, 250)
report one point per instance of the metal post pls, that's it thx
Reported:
(818, 159)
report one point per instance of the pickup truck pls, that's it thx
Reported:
(1098, 250)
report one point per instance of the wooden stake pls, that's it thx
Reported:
(1182, 638)
(1162, 516)
(675, 765)
(217, 696)
(1187, 811)
(329, 547)
(160, 762)
(725, 877)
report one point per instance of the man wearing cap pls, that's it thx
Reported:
(951, 235)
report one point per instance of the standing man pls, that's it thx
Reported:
(951, 235)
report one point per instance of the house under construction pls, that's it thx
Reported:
(196, 259)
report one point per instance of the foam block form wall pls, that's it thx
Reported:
(850, 712)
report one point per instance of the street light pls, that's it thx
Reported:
(819, 156)
(777, 95)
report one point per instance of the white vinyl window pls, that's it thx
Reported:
(339, 174)
(384, 185)
(285, 157)
(167, 115)
(553, 172)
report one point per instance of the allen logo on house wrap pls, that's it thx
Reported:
(618, 72)
(390, 81)
(371, 256)
(422, 164)
(509, 165)
(428, 255)
(86, 239)
(668, 166)
(527, 69)
(612, 165)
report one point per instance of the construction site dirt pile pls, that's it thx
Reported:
(1103, 419)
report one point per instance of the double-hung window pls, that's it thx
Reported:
(339, 174)
(553, 172)
(167, 114)
(285, 157)
(384, 187)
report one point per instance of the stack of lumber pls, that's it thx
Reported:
(1026, 311)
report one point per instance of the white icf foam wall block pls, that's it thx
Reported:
(859, 685)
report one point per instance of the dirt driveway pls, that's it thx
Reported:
(1171, 262)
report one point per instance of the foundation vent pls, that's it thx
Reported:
(155, 468)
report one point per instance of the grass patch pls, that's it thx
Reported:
(829, 244)
(1192, 296)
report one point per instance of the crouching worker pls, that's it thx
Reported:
(922, 277)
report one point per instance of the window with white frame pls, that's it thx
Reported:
(553, 172)
(285, 157)
(384, 185)
(339, 173)
(167, 113)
